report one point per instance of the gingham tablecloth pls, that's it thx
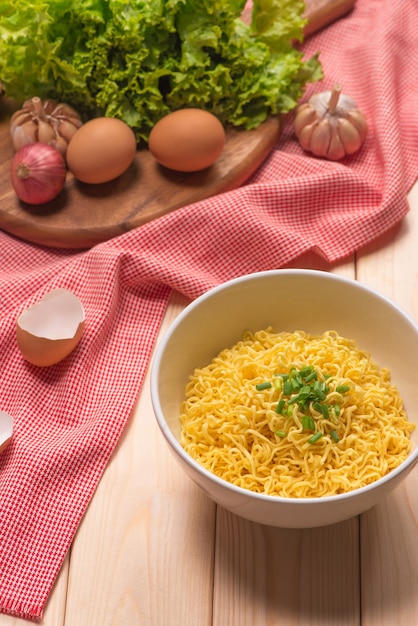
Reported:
(68, 418)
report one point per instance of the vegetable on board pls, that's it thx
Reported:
(140, 60)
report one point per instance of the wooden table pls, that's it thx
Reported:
(152, 550)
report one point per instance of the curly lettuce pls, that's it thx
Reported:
(142, 59)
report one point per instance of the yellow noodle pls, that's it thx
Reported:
(232, 428)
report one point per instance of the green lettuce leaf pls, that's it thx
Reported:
(142, 59)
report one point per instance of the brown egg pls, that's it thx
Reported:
(49, 330)
(101, 150)
(187, 140)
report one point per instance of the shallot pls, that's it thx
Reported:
(38, 173)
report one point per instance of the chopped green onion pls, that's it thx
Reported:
(312, 376)
(324, 410)
(315, 437)
(304, 389)
(319, 390)
(296, 383)
(305, 371)
(342, 388)
(280, 433)
(287, 388)
(280, 406)
(262, 386)
(308, 423)
(334, 436)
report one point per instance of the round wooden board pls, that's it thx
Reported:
(84, 215)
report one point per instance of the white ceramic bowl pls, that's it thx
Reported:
(289, 300)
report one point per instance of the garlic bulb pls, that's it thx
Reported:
(47, 122)
(330, 125)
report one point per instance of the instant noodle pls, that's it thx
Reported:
(295, 415)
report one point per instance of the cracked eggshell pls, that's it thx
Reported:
(49, 330)
(6, 430)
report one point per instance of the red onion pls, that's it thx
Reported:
(38, 173)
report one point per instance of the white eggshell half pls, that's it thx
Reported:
(6, 429)
(50, 329)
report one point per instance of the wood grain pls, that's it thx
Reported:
(389, 532)
(279, 577)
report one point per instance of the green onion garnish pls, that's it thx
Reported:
(315, 437)
(280, 406)
(312, 376)
(324, 410)
(342, 388)
(287, 388)
(334, 436)
(280, 433)
(305, 371)
(304, 389)
(308, 423)
(262, 386)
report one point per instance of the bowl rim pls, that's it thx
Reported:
(407, 464)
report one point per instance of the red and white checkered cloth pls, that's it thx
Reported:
(68, 418)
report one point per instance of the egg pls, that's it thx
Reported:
(187, 140)
(49, 330)
(101, 150)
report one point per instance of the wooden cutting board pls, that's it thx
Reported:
(84, 215)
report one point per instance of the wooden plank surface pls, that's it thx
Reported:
(152, 550)
(389, 533)
(268, 576)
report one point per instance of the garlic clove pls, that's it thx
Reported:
(306, 115)
(6, 430)
(336, 150)
(24, 134)
(66, 129)
(48, 331)
(359, 121)
(350, 136)
(60, 144)
(45, 132)
(20, 117)
(320, 139)
(66, 111)
(305, 135)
